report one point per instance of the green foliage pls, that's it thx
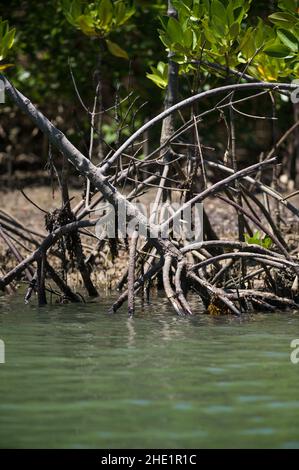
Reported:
(159, 75)
(287, 28)
(279, 57)
(220, 32)
(204, 27)
(116, 50)
(288, 5)
(45, 46)
(257, 239)
(99, 19)
(7, 37)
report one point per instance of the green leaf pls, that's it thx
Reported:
(165, 39)
(260, 34)
(188, 38)
(159, 75)
(277, 50)
(163, 20)
(174, 31)
(283, 19)
(119, 12)
(105, 13)
(72, 10)
(199, 8)
(290, 5)
(234, 30)
(209, 33)
(6, 38)
(116, 50)
(230, 13)
(159, 81)
(218, 9)
(5, 66)
(182, 8)
(195, 40)
(9, 38)
(257, 239)
(75, 9)
(122, 13)
(239, 14)
(85, 23)
(289, 39)
(160, 67)
(3, 27)
(219, 27)
(267, 242)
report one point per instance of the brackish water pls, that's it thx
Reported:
(77, 377)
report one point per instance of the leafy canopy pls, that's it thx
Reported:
(99, 19)
(7, 37)
(220, 32)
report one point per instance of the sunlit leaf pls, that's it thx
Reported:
(289, 39)
(8, 39)
(174, 30)
(283, 19)
(159, 81)
(116, 50)
(277, 50)
(234, 30)
(105, 13)
(86, 25)
(5, 66)
(218, 10)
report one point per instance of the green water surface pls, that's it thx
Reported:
(77, 377)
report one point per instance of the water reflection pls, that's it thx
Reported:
(131, 332)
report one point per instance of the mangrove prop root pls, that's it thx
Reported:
(173, 256)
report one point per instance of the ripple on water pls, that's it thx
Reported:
(283, 405)
(83, 379)
(139, 402)
(258, 432)
(253, 398)
(183, 406)
(215, 409)
(215, 370)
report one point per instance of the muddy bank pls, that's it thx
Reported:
(109, 271)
